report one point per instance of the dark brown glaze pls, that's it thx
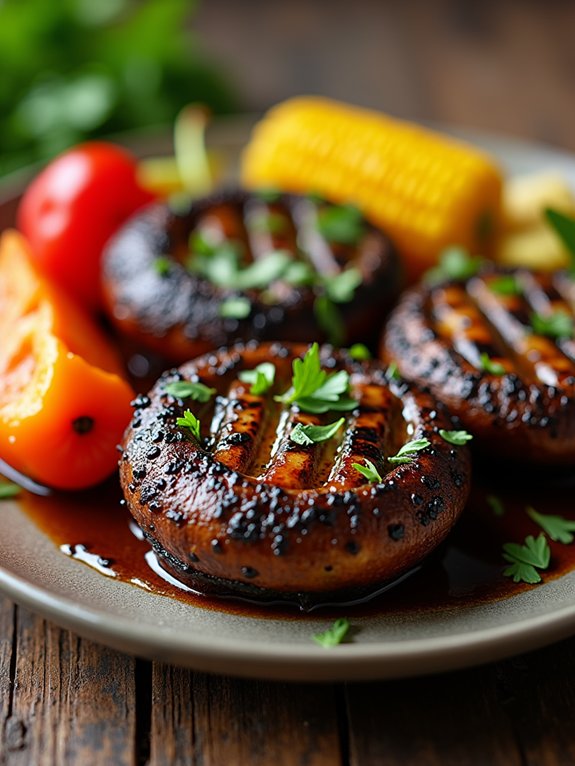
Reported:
(250, 512)
(177, 313)
(437, 335)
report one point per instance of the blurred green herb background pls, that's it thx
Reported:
(74, 69)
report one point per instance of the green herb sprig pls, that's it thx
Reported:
(455, 263)
(334, 635)
(192, 423)
(557, 324)
(558, 528)
(506, 284)
(526, 559)
(316, 391)
(359, 352)
(8, 490)
(368, 470)
(488, 365)
(186, 389)
(235, 307)
(342, 224)
(261, 378)
(409, 451)
(458, 438)
(304, 435)
(564, 227)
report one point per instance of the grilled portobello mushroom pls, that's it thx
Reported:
(498, 348)
(238, 266)
(249, 507)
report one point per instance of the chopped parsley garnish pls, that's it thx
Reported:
(261, 377)
(268, 222)
(162, 265)
(558, 324)
(455, 437)
(392, 372)
(368, 470)
(236, 307)
(359, 352)
(315, 390)
(341, 287)
(263, 272)
(191, 422)
(8, 490)
(185, 389)
(488, 365)
(342, 224)
(526, 559)
(496, 505)
(559, 529)
(333, 635)
(268, 195)
(455, 263)
(506, 284)
(299, 273)
(329, 319)
(305, 435)
(564, 227)
(409, 451)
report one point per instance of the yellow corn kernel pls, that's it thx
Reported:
(426, 190)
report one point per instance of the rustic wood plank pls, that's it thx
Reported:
(218, 720)
(454, 719)
(538, 694)
(73, 701)
(506, 67)
(7, 657)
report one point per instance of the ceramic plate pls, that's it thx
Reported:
(35, 573)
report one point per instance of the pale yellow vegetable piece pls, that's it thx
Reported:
(526, 197)
(536, 248)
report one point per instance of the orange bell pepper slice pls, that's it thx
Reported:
(63, 401)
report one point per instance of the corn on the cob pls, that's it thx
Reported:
(428, 191)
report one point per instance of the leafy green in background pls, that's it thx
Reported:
(75, 69)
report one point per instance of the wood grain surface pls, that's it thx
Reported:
(506, 66)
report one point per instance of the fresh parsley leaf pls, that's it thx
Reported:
(268, 222)
(162, 265)
(191, 422)
(506, 284)
(558, 324)
(263, 272)
(261, 377)
(454, 263)
(526, 559)
(185, 389)
(342, 224)
(409, 451)
(559, 529)
(236, 307)
(333, 635)
(496, 505)
(316, 391)
(359, 352)
(392, 372)
(329, 319)
(564, 227)
(219, 266)
(368, 470)
(200, 244)
(299, 273)
(340, 288)
(309, 434)
(455, 437)
(488, 365)
(8, 490)
(268, 195)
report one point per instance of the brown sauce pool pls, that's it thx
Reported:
(93, 528)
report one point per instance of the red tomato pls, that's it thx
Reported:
(71, 209)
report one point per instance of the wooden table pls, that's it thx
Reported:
(507, 66)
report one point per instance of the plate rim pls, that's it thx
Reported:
(298, 662)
